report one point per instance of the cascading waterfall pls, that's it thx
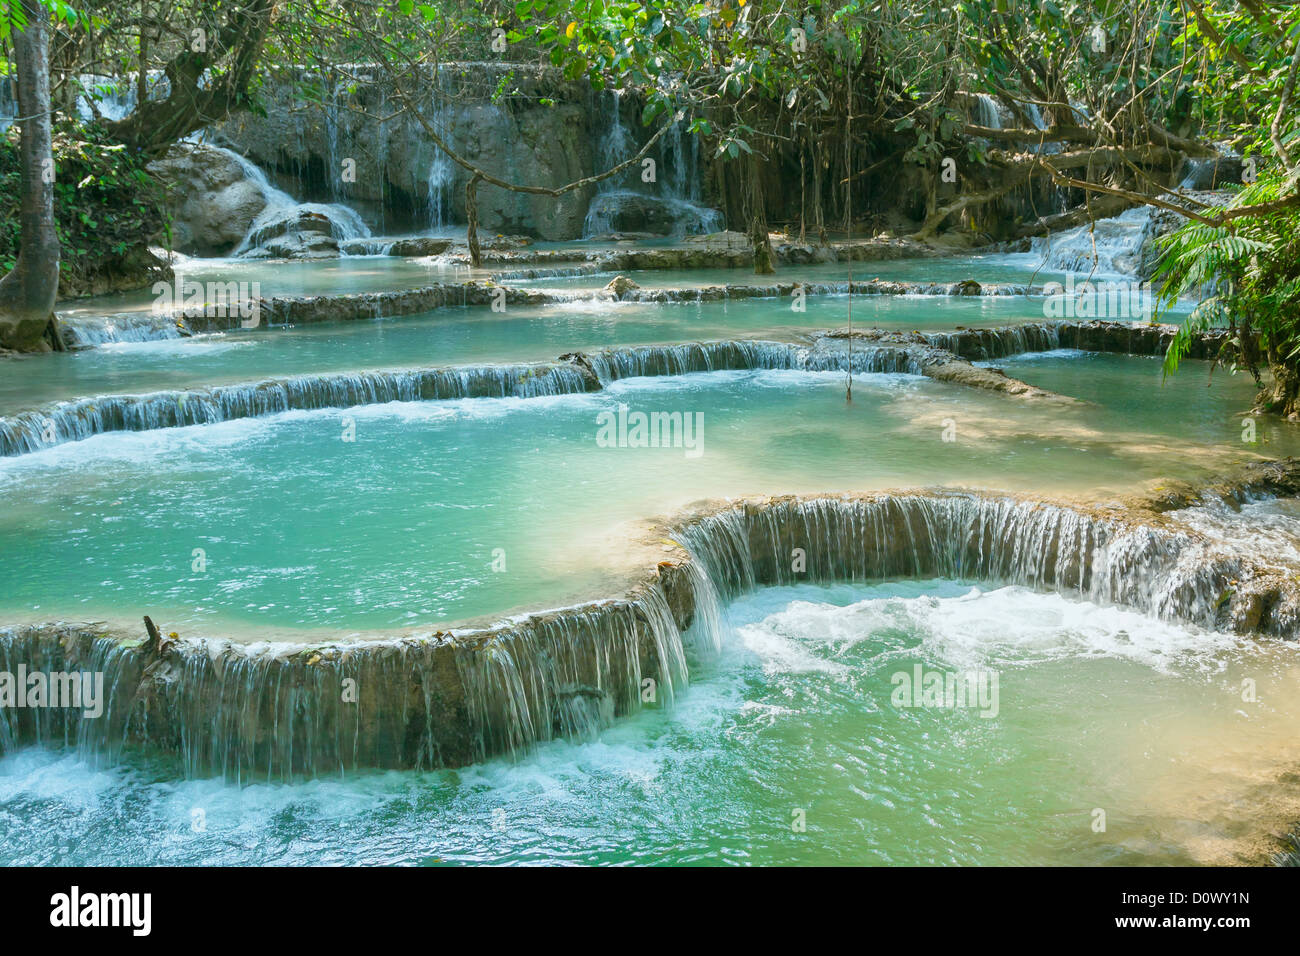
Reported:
(1111, 245)
(658, 360)
(271, 712)
(282, 210)
(569, 674)
(673, 195)
(299, 310)
(90, 331)
(574, 373)
(442, 171)
(999, 343)
(984, 111)
(268, 712)
(332, 137)
(1212, 172)
(692, 357)
(549, 272)
(82, 418)
(1169, 574)
(8, 103)
(76, 420)
(114, 97)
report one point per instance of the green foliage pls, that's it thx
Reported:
(107, 207)
(1248, 268)
(1250, 271)
(13, 17)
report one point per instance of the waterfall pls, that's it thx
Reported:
(274, 711)
(331, 116)
(263, 712)
(666, 206)
(549, 272)
(441, 175)
(8, 103)
(823, 356)
(75, 420)
(442, 171)
(998, 343)
(1169, 573)
(886, 353)
(1212, 172)
(984, 111)
(575, 373)
(115, 96)
(617, 144)
(657, 360)
(1107, 246)
(282, 210)
(89, 331)
(570, 673)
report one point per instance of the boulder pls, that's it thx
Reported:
(210, 197)
(298, 244)
(803, 253)
(419, 246)
(619, 285)
(726, 241)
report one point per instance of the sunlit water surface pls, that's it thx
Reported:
(790, 747)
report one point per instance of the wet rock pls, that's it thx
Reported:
(726, 241)
(802, 253)
(298, 245)
(211, 200)
(521, 141)
(623, 237)
(618, 285)
(409, 247)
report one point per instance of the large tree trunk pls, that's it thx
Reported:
(28, 292)
(1282, 395)
(206, 81)
(764, 261)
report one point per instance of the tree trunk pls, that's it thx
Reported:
(28, 292)
(206, 81)
(471, 221)
(1282, 397)
(764, 261)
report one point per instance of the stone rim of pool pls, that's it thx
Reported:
(453, 697)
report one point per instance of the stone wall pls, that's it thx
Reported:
(542, 133)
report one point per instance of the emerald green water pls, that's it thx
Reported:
(1016, 268)
(1097, 710)
(469, 335)
(400, 527)
(305, 535)
(307, 277)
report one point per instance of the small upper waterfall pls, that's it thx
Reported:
(1106, 246)
(8, 103)
(88, 331)
(442, 171)
(114, 97)
(668, 204)
(984, 111)
(282, 210)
